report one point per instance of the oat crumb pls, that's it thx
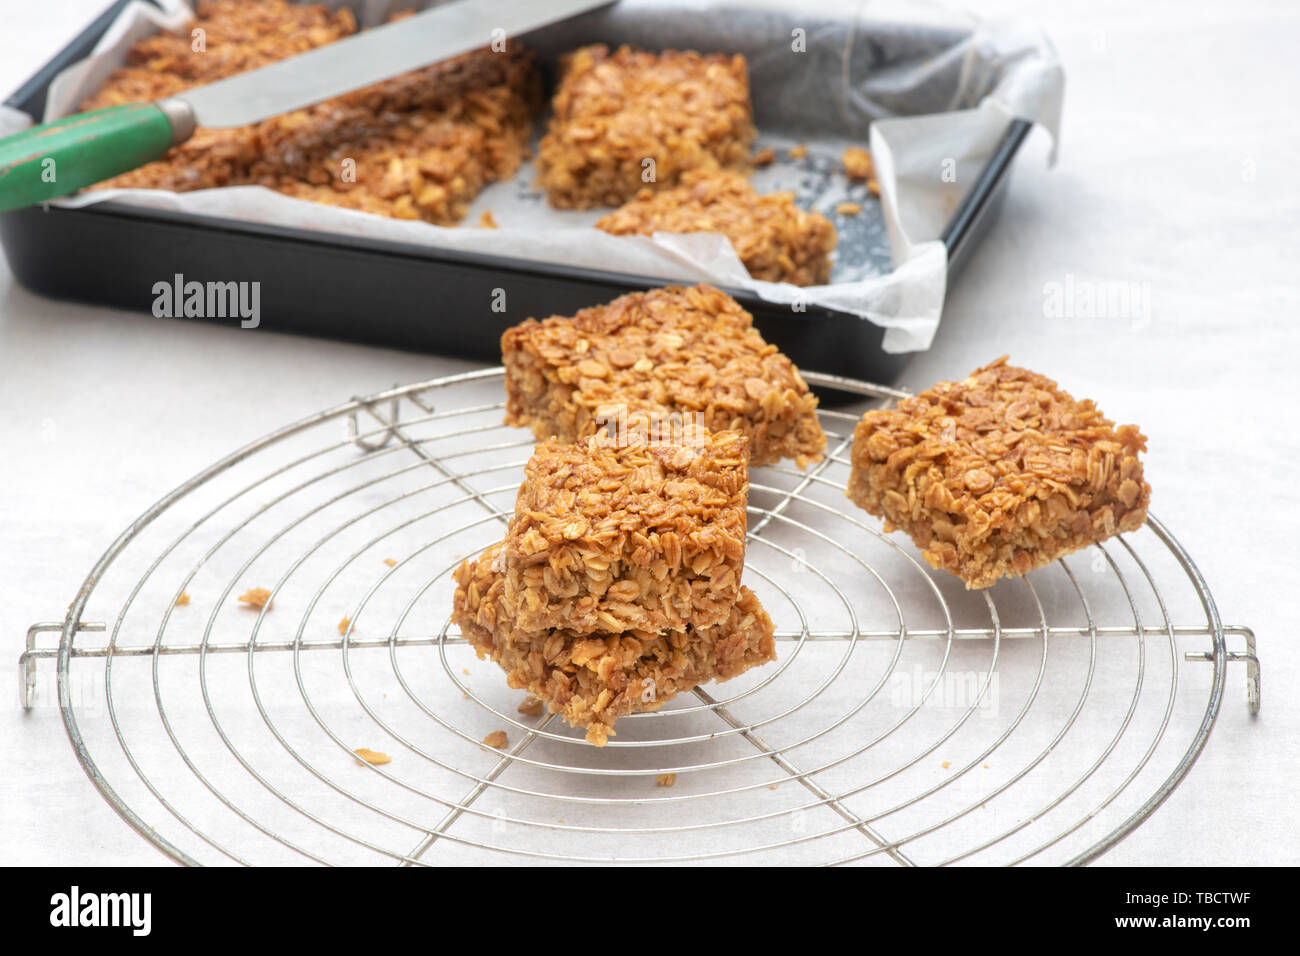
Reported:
(858, 164)
(946, 764)
(532, 706)
(486, 220)
(798, 152)
(765, 157)
(848, 209)
(496, 739)
(257, 597)
(183, 600)
(873, 187)
(344, 624)
(666, 779)
(390, 562)
(373, 757)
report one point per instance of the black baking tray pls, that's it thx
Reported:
(391, 293)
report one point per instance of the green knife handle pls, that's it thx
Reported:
(58, 158)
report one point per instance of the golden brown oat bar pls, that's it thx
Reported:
(237, 35)
(774, 238)
(592, 680)
(672, 351)
(998, 474)
(610, 537)
(628, 118)
(418, 146)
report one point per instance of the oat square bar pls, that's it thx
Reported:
(610, 537)
(628, 118)
(689, 352)
(591, 680)
(775, 239)
(998, 474)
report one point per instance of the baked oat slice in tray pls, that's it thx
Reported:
(775, 239)
(610, 537)
(591, 680)
(237, 36)
(626, 119)
(998, 474)
(681, 354)
(418, 146)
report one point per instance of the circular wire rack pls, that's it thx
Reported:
(906, 721)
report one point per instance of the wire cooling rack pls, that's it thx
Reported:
(906, 722)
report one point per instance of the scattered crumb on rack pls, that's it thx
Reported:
(373, 757)
(848, 208)
(765, 157)
(486, 220)
(666, 779)
(344, 624)
(257, 597)
(496, 739)
(798, 152)
(532, 706)
(946, 764)
(390, 562)
(183, 600)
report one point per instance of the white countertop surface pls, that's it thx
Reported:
(1177, 170)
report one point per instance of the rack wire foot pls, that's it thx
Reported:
(1248, 657)
(373, 444)
(27, 659)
